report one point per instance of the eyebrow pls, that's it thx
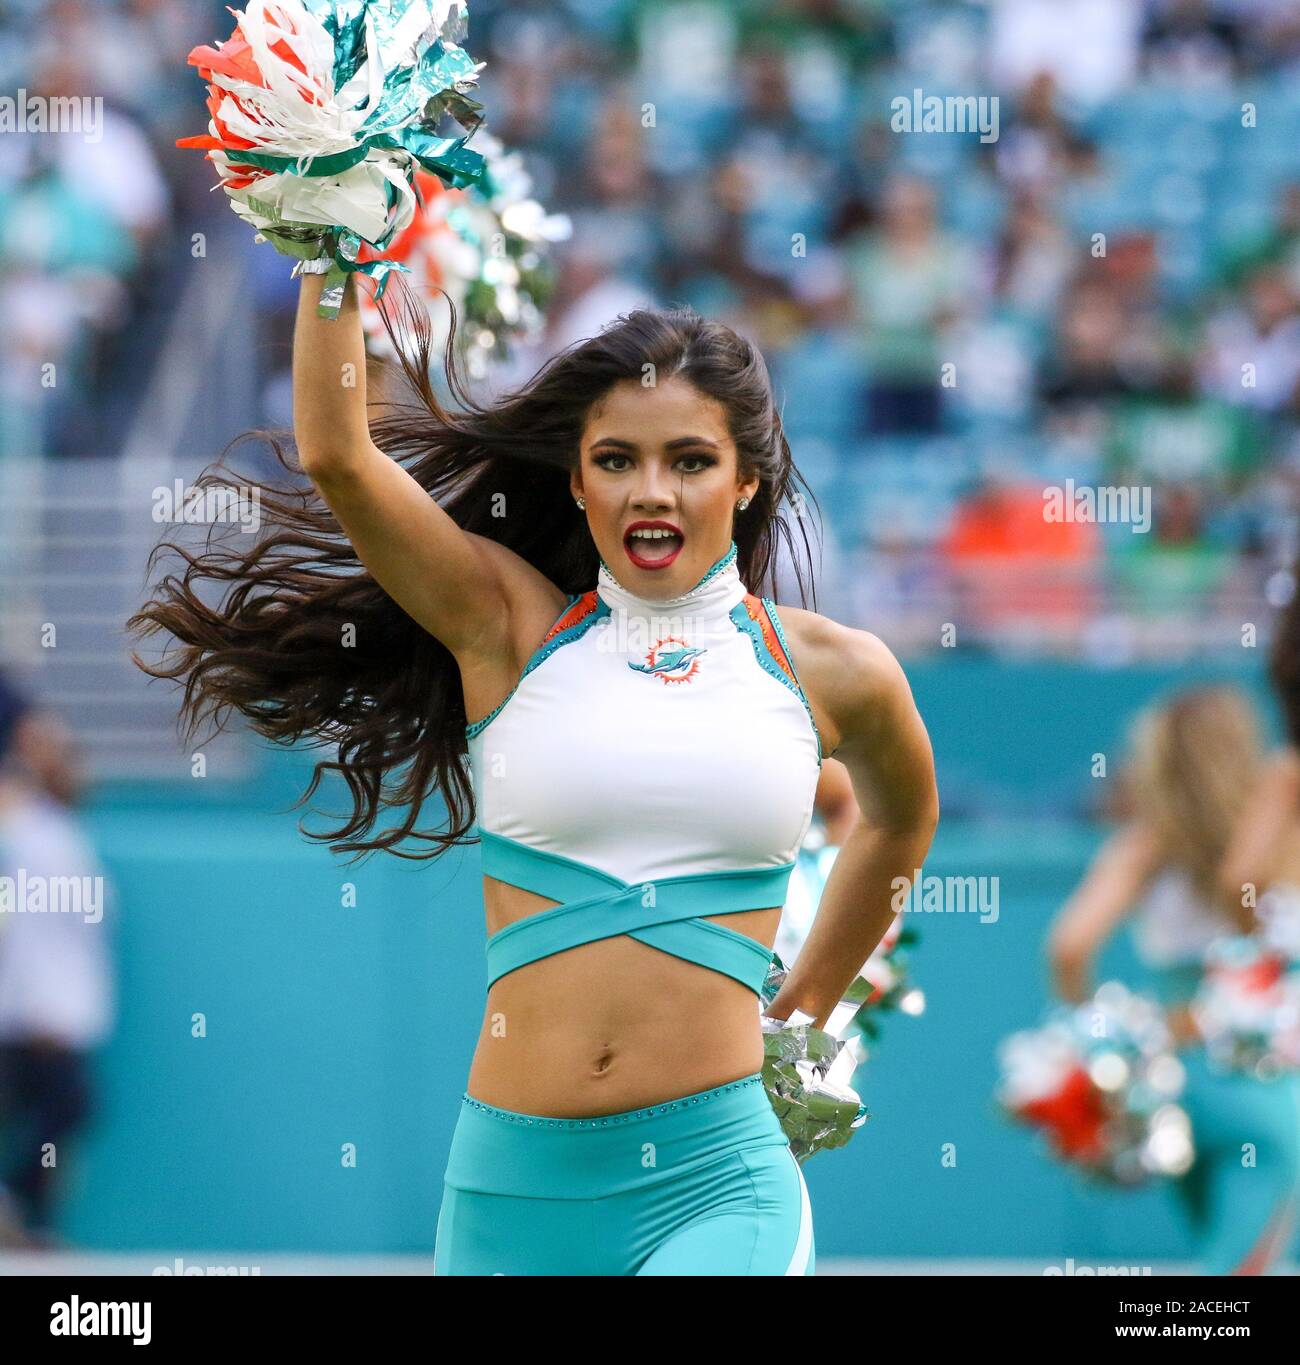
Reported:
(671, 445)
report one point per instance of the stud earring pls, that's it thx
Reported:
(742, 504)
(582, 503)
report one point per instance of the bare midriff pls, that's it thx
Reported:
(612, 1025)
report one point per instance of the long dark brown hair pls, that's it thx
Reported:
(262, 629)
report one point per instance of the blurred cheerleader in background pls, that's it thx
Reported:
(1264, 853)
(835, 812)
(1193, 769)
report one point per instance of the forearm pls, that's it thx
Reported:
(329, 381)
(870, 877)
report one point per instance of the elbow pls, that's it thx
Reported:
(926, 824)
(915, 829)
(919, 826)
(1063, 956)
(330, 448)
(315, 457)
(1068, 952)
(324, 463)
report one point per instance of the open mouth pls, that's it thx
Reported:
(653, 544)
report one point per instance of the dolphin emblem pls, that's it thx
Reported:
(674, 661)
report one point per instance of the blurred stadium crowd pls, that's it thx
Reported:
(1108, 293)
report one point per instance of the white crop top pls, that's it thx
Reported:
(651, 739)
(1174, 923)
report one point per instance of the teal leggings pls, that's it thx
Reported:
(702, 1185)
(1242, 1195)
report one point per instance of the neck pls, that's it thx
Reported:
(718, 589)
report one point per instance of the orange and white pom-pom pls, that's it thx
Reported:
(436, 258)
(272, 94)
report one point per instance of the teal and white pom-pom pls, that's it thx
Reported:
(321, 113)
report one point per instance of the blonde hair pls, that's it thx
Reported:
(1193, 764)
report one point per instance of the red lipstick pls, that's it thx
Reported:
(657, 553)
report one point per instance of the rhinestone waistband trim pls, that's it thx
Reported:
(614, 1120)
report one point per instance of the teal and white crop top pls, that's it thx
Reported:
(656, 763)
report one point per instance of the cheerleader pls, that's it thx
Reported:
(542, 611)
(1191, 769)
(1264, 852)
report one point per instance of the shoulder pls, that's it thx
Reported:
(852, 673)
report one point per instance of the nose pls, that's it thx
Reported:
(655, 490)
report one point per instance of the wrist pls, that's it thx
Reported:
(805, 996)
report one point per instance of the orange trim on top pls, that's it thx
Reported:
(582, 607)
(759, 614)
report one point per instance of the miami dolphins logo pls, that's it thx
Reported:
(671, 659)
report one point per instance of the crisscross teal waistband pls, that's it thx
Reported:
(665, 913)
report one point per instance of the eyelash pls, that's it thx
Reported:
(708, 460)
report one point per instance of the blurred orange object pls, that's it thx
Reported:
(1010, 564)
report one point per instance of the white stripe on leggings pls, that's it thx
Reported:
(803, 1246)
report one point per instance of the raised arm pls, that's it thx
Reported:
(462, 588)
(1107, 894)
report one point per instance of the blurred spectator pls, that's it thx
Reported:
(1085, 370)
(1090, 47)
(1166, 572)
(1192, 41)
(1097, 277)
(56, 992)
(1278, 244)
(1034, 258)
(1038, 148)
(83, 218)
(1252, 348)
(910, 278)
(1176, 434)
